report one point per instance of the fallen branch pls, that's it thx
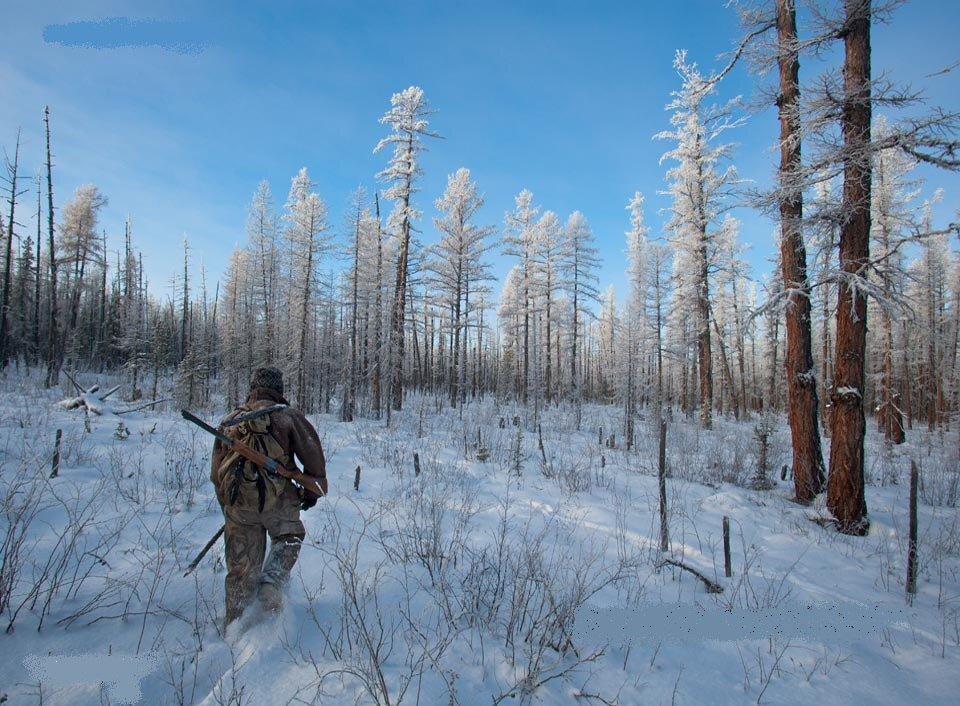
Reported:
(143, 406)
(712, 586)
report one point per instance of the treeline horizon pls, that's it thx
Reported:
(694, 332)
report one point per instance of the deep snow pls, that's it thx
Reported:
(460, 585)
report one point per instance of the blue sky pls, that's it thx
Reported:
(562, 98)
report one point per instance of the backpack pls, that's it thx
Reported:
(243, 481)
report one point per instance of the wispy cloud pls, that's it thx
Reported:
(117, 32)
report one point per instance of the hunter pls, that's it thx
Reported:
(256, 503)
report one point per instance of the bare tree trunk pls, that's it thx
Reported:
(53, 342)
(303, 400)
(727, 372)
(891, 417)
(773, 333)
(349, 402)
(185, 312)
(802, 402)
(35, 354)
(845, 487)
(455, 353)
(659, 321)
(932, 396)
(741, 355)
(400, 293)
(375, 387)
(7, 272)
(525, 391)
(705, 355)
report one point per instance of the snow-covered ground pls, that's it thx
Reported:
(462, 585)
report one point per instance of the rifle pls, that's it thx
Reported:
(203, 552)
(265, 462)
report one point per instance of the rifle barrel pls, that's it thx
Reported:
(206, 427)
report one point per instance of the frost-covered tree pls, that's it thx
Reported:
(636, 308)
(520, 241)
(929, 294)
(80, 243)
(262, 231)
(851, 95)
(510, 314)
(238, 332)
(407, 119)
(308, 238)
(891, 219)
(359, 215)
(6, 237)
(458, 265)
(659, 266)
(699, 184)
(546, 255)
(607, 359)
(578, 265)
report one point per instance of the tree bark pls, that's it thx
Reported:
(802, 401)
(845, 487)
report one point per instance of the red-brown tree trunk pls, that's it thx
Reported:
(845, 487)
(802, 402)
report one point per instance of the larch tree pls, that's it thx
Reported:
(698, 186)
(546, 257)
(262, 231)
(520, 241)
(54, 360)
(659, 266)
(458, 263)
(891, 219)
(823, 237)
(12, 195)
(845, 486)
(355, 226)
(509, 316)
(407, 119)
(80, 245)
(636, 308)
(578, 265)
(306, 233)
(802, 401)
(929, 137)
(929, 298)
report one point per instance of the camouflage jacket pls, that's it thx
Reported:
(290, 428)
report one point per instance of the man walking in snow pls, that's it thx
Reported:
(256, 503)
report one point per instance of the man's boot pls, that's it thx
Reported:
(284, 551)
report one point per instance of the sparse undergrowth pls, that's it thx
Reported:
(461, 583)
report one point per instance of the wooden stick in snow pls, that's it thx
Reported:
(55, 466)
(912, 547)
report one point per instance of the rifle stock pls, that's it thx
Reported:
(270, 465)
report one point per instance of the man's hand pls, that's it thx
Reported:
(308, 498)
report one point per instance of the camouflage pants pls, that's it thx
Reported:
(245, 532)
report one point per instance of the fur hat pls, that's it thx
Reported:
(270, 378)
